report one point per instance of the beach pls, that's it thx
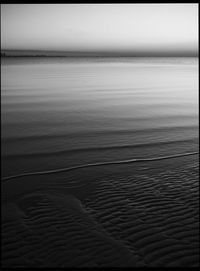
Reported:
(100, 162)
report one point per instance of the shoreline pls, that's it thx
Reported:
(54, 171)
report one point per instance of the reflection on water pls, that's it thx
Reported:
(63, 112)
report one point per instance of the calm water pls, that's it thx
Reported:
(59, 112)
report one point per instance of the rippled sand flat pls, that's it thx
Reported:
(144, 214)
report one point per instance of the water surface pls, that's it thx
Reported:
(61, 112)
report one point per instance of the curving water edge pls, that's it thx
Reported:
(54, 171)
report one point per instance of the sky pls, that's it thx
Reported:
(100, 27)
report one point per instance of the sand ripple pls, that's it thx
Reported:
(147, 218)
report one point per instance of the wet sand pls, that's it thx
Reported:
(128, 215)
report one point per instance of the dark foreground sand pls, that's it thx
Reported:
(139, 214)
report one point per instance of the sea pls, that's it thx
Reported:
(59, 112)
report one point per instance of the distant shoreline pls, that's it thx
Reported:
(35, 53)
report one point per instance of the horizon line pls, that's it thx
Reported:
(98, 53)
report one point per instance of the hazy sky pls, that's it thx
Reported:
(94, 27)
